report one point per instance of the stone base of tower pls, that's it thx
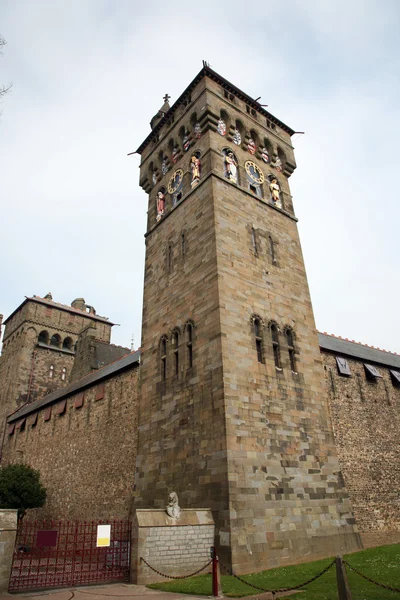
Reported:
(293, 532)
(276, 554)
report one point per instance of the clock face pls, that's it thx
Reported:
(175, 181)
(254, 172)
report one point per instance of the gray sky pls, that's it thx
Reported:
(87, 78)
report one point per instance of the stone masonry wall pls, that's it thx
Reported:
(366, 424)
(253, 442)
(85, 455)
(174, 549)
(8, 532)
(25, 366)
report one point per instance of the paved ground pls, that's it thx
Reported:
(114, 591)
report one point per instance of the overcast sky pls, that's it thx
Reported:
(87, 78)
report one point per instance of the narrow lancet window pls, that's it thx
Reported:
(275, 346)
(292, 360)
(258, 338)
(163, 359)
(189, 345)
(176, 352)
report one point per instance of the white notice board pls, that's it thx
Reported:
(103, 535)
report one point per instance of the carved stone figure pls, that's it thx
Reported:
(275, 190)
(231, 167)
(160, 205)
(195, 165)
(277, 164)
(154, 178)
(173, 508)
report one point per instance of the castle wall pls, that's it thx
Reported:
(366, 424)
(85, 455)
(25, 373)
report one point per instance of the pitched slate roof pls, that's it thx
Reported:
(80, 384)
(353, 349)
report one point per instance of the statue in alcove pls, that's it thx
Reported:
(195, 166)
(231, 166)
(275, 190)
(160, 205)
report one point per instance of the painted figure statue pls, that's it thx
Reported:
(195, 166)
(160, 205)
(275, 190)
(231, 167)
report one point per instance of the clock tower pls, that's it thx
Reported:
(233, 412)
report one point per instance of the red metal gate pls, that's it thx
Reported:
(53, 554)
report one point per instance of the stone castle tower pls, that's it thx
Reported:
(39, 347)
(233, 410)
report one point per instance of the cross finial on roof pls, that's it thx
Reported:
(166, 97)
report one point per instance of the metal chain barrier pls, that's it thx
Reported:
(382, 585)
(175, 576)
(286, 589)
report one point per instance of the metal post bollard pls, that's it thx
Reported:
(344, 592)
(216, 574)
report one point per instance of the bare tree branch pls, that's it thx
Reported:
(3, 88)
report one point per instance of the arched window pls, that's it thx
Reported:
(281, 160)
(196, 127)
(63, 374)
(258, 338)
(275, 345)
(163, 354)
(266, 150)
(43, 338)
(290, 344)
(189, 345)
(55, 340)
(252, 143)
(238, 134)
(67, 343)
(223, 123)
(175, 342)
(51, 371)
